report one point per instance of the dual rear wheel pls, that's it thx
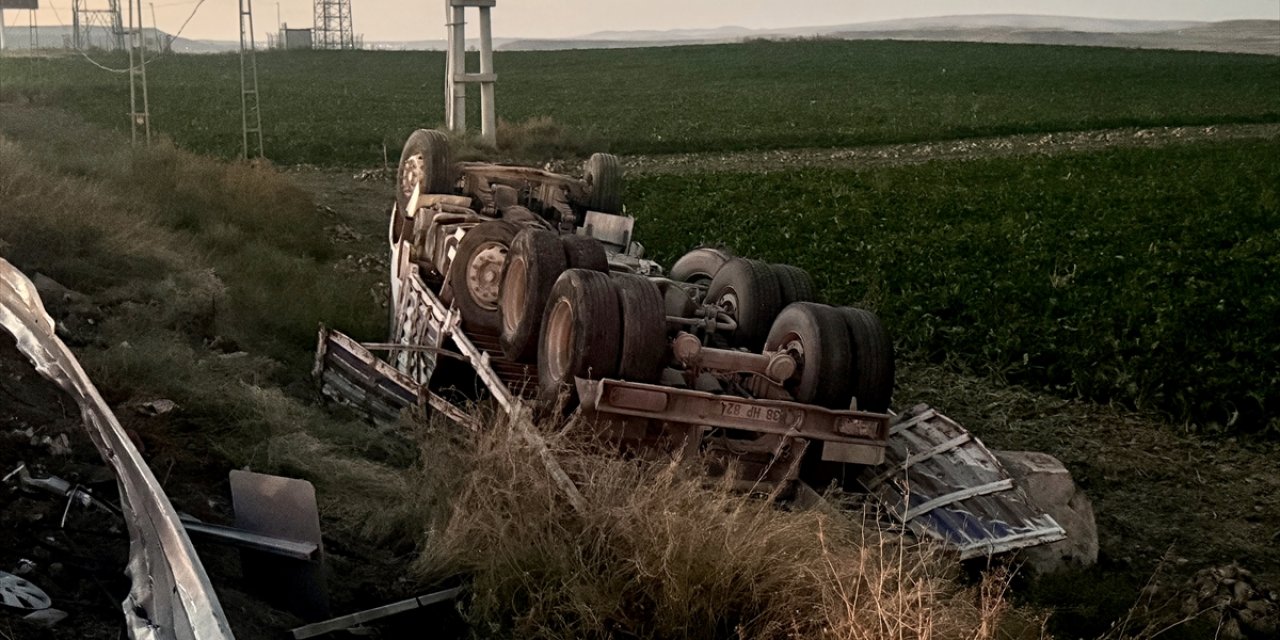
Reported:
(601, 326)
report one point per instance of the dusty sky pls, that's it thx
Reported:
(423, 19)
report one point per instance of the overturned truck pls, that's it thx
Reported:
(533, 284)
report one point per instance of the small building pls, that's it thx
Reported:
(293, 38)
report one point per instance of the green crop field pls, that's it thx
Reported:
(1144, 276)
(341, 108)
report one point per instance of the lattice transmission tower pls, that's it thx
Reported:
(332, 29)
(97, 24)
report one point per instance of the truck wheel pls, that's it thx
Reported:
(644, 328)
(796, 283)
(700, 265)
(816, 336)
(475, 275)
(604, 181)
(425, 162)
(581, 331)
(748, 291)
(535, 261)
(582, 252)
(873, 366)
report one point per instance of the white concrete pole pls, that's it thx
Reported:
(488, 118)
(448, 65)
(1, 29)
(459, 67)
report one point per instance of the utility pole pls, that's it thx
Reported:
(456, 76)
(138, 118)
(250, 112)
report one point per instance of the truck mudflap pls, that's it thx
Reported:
(941, 482)
(855, 434)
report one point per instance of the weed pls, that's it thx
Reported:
(658, 552)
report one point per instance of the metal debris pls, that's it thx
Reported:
(19, 593)
(351, 620)
(943, 483)
(170, 597)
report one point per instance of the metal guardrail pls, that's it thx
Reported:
(170, 597)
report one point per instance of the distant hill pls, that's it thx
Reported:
(1240, 36)
(18, 38)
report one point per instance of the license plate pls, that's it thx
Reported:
(857, 427)
(752, 412)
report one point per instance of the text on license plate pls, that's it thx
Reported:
(752, 412)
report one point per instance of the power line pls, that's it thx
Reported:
(159, 54)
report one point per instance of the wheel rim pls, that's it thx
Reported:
(484, 274)
(559, 340)
(513, 300)
(729, 302)
(411, 174)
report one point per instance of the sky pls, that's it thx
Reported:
(397, 20)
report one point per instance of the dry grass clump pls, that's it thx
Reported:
(536, 140)
(661, 553)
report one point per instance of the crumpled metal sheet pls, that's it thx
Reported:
(170, 597)
(942, 483)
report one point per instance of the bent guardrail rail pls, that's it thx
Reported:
(170, 597)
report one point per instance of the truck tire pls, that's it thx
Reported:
(603, 175)
(582, 252)
(581, 331)
(535, 262)
(475, 274)
(427, 162)
(796, 283)
(644, 328)
(873, 365)
(700, 265)
(817, 337)
(748, 291)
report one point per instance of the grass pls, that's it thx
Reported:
(1141, 276)
(658, 553)
(348, 108)
(208, 281)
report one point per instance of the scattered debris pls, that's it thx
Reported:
(351, 620)
(18, 593)
(45, 618)
(375, 175)
(157, 407)
(170, 595)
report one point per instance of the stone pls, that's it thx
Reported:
(1049, 487)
